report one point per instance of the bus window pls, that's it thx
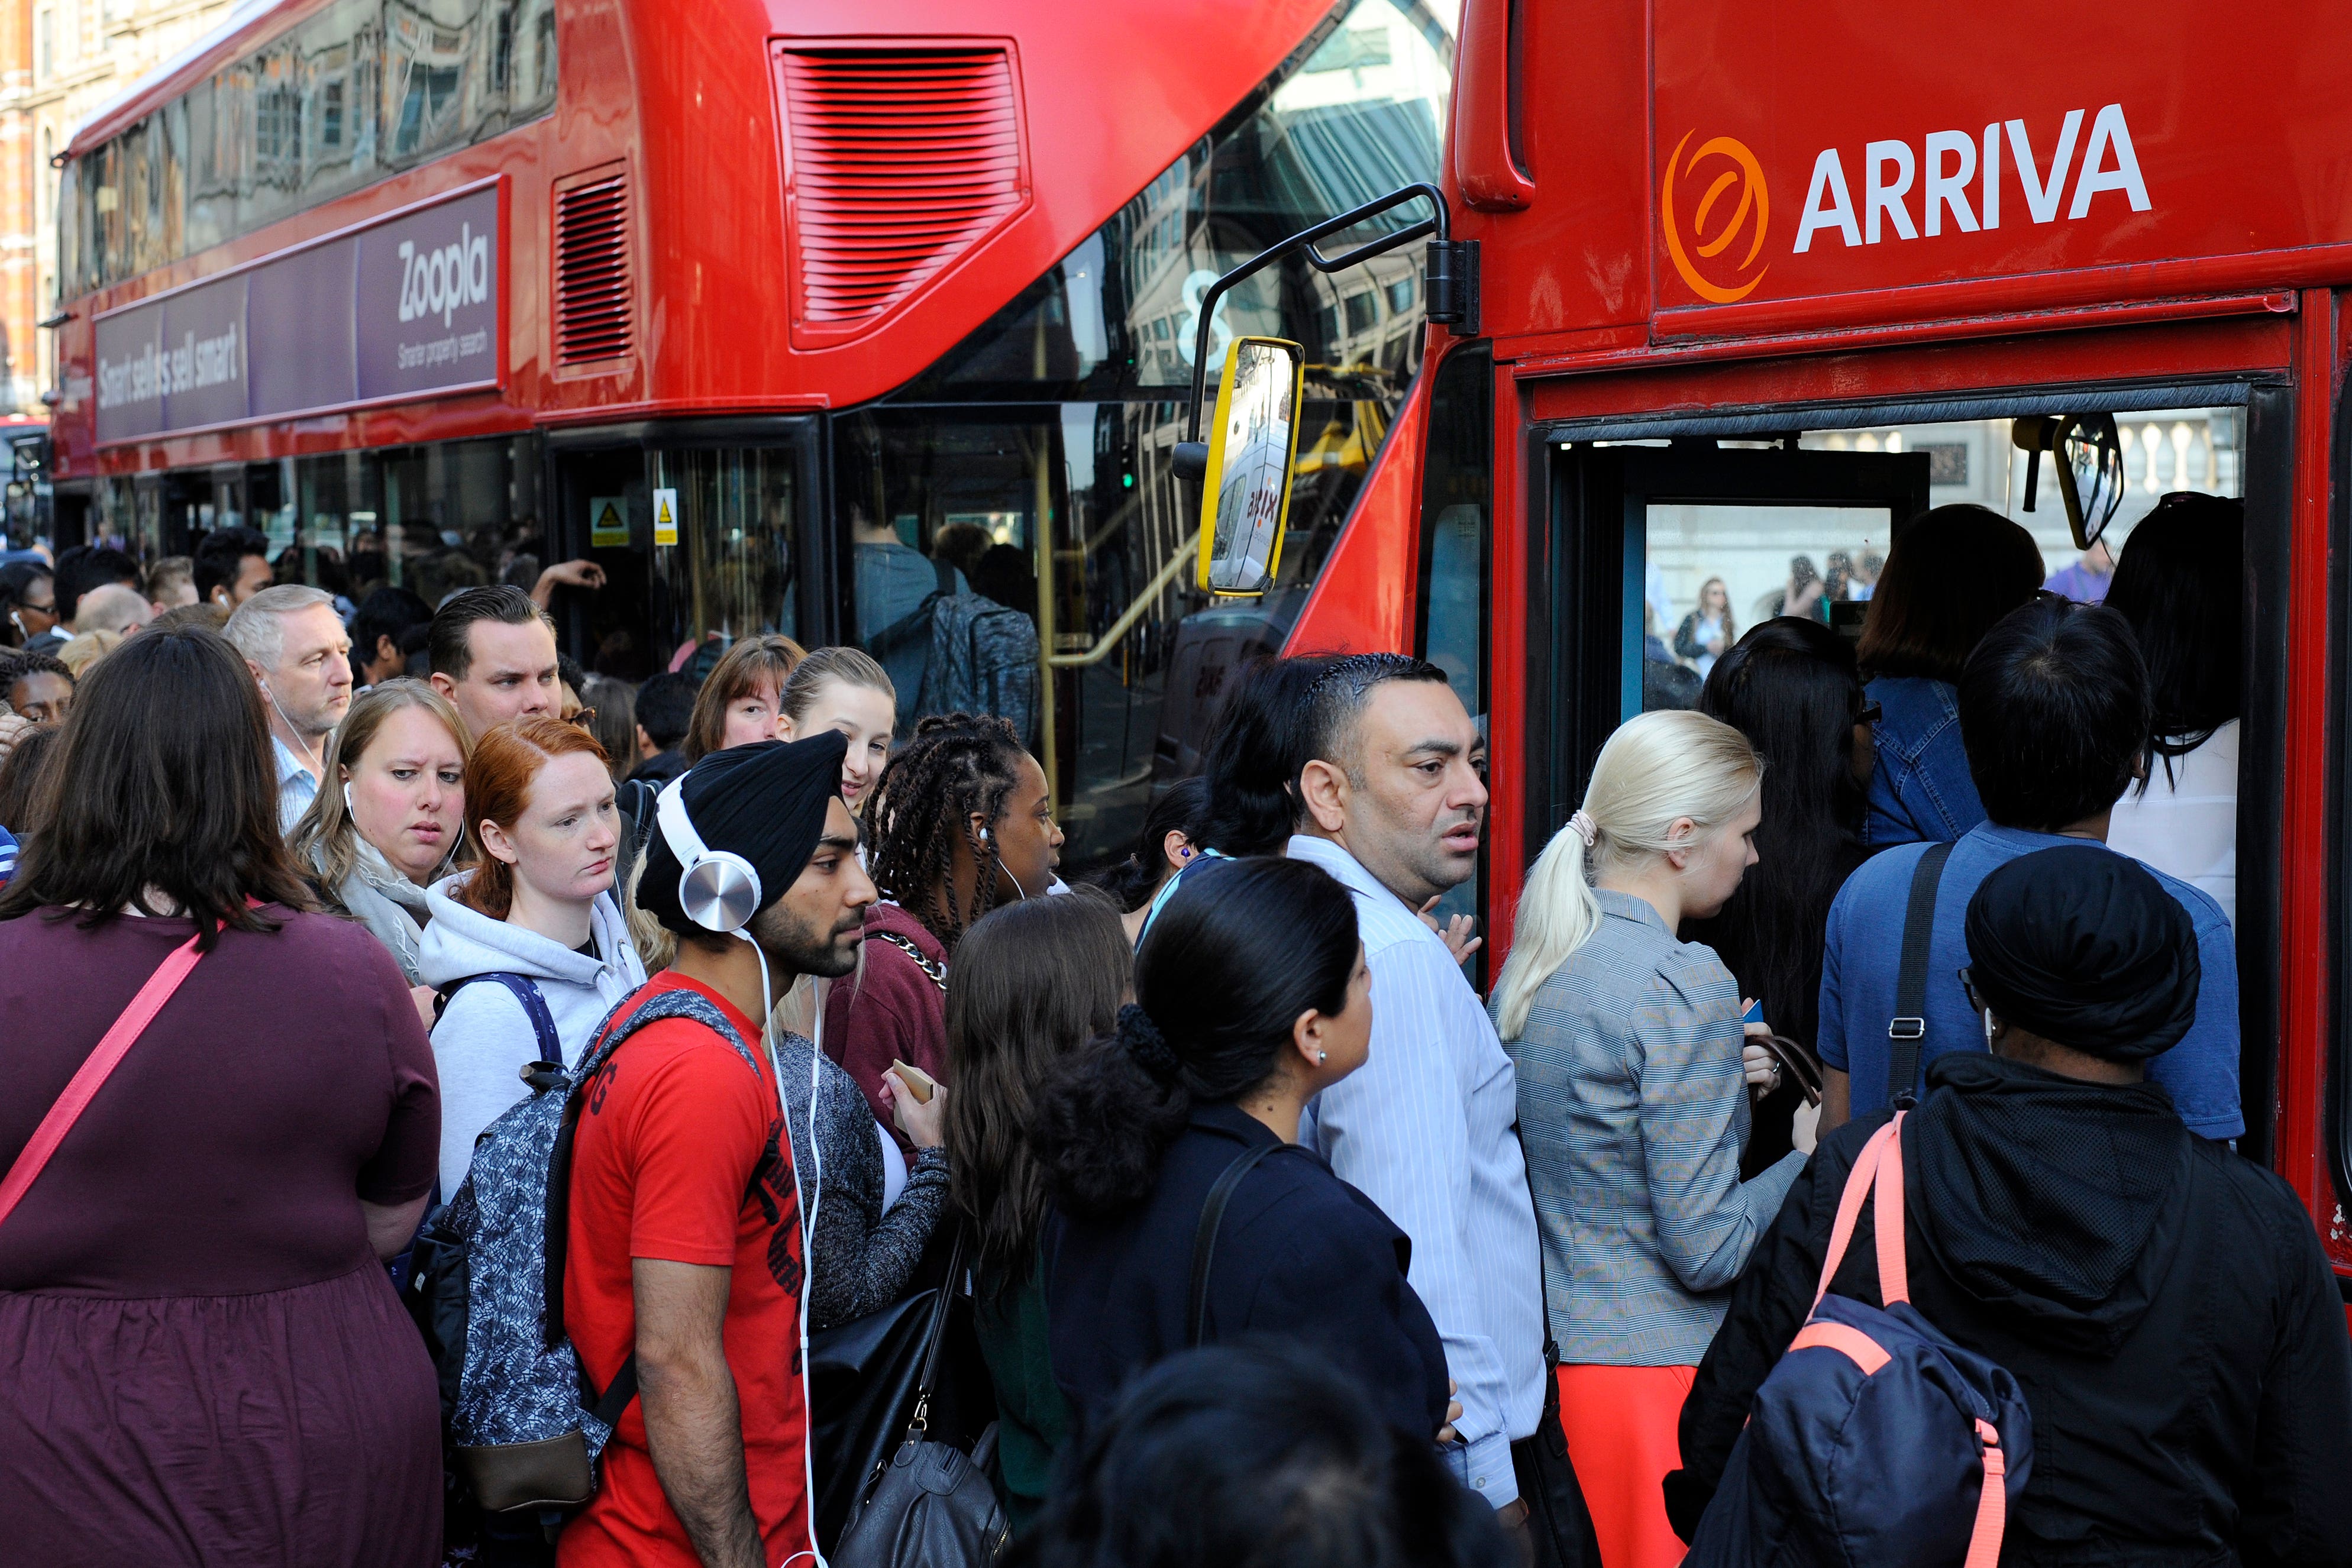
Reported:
(1457, 493)
(1709, 571)
(432, 519)
(731, 569)
(1069, 475)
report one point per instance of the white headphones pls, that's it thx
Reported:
(718, 890)
(986, 838)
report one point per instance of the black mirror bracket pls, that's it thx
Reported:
(1450, 284)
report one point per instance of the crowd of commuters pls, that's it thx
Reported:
(1259, 1235)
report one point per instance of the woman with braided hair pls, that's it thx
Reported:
(960, 823)
(1252, 996)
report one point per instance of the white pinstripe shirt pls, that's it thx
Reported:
(1424, 1130)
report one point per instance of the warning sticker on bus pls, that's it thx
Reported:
(608, 522)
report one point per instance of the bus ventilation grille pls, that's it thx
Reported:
(901, 161)
(591, 270)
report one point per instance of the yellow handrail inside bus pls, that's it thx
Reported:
(1100, 648)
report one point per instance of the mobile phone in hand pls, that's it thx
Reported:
(920, 1084)
(1755, 1013)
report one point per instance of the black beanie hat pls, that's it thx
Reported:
(2083, 946)
(765, 802)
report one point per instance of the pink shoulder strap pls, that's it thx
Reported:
(1878, 1169)
(84, 1086)
(1878, 1175)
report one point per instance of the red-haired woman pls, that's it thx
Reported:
(532, 934)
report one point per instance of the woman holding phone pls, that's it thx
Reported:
(1634, 1102)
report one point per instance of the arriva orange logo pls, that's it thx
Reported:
(1754, 199)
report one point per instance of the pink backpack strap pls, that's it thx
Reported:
(1868, 1175)
(1894, 1272)
(92, 1074)
(1993, 1502)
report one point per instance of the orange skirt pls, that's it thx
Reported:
(1619, 1422)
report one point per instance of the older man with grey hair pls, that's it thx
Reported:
(300, 654)
(117, 606)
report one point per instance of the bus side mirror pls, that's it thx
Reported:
(1251, 450)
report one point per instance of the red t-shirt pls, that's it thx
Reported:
(676, 1133)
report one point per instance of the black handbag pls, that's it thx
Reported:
(1559, 1524)
(867, 1379)
(930, 1502)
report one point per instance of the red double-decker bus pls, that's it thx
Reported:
(786, 315)
(1758, 287)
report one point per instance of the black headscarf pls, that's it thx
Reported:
(2083, 946)
(765, 802)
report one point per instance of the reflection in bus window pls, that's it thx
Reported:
(357, 89)
(1824, 561)
(1089, 532)
(1457, 489)
(432, 519)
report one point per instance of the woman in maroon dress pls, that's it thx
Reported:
(202, 1360)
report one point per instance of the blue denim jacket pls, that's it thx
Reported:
(1921, 788)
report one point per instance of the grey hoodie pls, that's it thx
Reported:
(485, 1037)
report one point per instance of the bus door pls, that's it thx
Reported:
(1662, 549)
(706, 530)
(1643, 527)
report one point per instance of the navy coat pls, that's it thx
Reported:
(1301, 1256)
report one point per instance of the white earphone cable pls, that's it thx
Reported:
(998, 856)
(809, 1204)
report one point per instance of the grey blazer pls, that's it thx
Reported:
(1633, 1108)
(861, 1258)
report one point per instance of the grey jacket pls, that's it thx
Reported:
(862, 1257)
(1633, 1109)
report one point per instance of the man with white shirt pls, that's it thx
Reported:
(295, 645)
(1392, 800)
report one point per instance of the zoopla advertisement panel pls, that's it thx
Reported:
(405, 306)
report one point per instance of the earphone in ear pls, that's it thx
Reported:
(347, 799)
(718, 890)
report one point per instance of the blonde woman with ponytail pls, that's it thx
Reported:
(1634, 1101)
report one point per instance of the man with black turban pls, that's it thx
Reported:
(684, 1223)
(2163, 1300)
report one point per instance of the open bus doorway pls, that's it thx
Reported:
(1793, 511)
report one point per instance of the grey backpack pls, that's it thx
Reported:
(525, 1423)
(984, 660)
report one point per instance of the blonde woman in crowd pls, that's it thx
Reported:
(78, 653)
(1633, 1101)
